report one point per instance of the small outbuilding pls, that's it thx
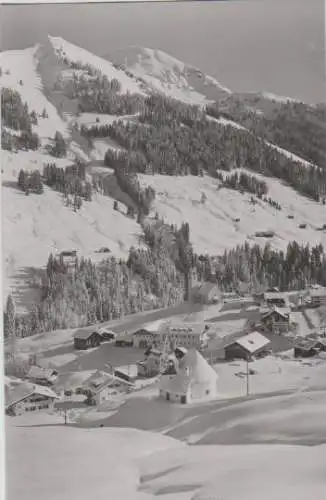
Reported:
(247, 347)
(85, 339)
(42, 376)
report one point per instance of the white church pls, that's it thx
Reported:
(194, 380)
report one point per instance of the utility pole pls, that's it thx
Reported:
(247, 375)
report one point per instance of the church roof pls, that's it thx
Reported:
(193, 369)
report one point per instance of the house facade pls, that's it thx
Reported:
(246, 347)
(29, 397)
(318, 297)
(143, 338)
(276, 320)
(85, 339)
(275, 299)
(102, 386)
(188, 336)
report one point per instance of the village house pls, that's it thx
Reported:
(85, 339)
(276, 320)
(124, 340)
(186, 335)
(127, 372)
(149, 335)
(106, 334)
(42, 376)
(318, 297)
(194, 381)
(275, 299)
(309, 348)
(246, 347)
(29, 397)
(102, 386)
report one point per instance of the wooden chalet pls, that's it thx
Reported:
(246, 347)
(85, 339)
(276, 320)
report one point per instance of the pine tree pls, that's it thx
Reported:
(10, 326)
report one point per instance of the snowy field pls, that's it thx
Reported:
(48, 459)
(22, 67)
(212, 224)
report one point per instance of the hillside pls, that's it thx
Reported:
(82, 97)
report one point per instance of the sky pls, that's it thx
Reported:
(248, 45)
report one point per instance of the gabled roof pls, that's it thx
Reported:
(39, 372)
(84, 334)
(284, 312)
(24, 390)
(252, 342)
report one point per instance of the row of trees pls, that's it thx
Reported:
(71, 181)
(261, 268)
(122, 163)
(294, 126)
(245, 182)
(30, 182)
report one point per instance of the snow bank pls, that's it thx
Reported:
(60, 462)
(237, 472)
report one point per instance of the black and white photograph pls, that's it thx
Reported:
(163, 244)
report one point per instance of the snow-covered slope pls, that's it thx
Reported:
(75, 53)
(164, 73)
(213, 224)
(46, 459)
(19, 72)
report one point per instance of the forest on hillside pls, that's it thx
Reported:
(294, 126)
(171, 138)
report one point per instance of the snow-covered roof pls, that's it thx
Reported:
(193, 369)
(83, 334)
(187, 328)
(284, 312)
(252, 342)
(39, 372)
(24, 390)
(274, 295)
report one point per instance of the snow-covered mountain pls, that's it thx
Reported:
(34, 225)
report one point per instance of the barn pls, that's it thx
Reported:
(42, 376)
(85, 339)
(246, 347)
